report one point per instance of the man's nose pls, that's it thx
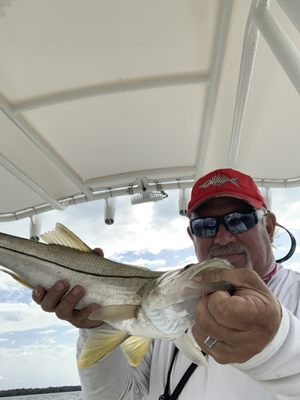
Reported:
(224, 236)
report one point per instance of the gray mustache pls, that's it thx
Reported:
(217, 250)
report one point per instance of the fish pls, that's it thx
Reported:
(137, 303)
(220, 179)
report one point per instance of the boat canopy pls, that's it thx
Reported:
(100, 99)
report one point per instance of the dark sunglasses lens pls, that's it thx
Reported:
(238, 223)
(204, 227)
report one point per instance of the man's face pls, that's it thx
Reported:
(250, 249)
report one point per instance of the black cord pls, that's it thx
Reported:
(293, 245)
(166, 396)
(181, 383)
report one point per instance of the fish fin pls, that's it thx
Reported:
(191, 350)
(63, 236)
(135, 348)
(17, 277)
(99, 345)
(117, 312)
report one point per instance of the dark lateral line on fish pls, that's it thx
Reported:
(76, 270)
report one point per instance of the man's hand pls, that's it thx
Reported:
(243, 323)
(63, 305)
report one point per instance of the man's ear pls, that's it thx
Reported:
(270, 225)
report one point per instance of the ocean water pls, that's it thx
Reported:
(47, 396)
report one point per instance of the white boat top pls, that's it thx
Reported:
(100, 99)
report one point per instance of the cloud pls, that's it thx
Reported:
(71, 330)
(10, 289)
(57, 361)
(144, 227)
(23, 317)
(47, 332)
(144, 262)
(286, 207)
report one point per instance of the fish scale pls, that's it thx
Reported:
(101, 276)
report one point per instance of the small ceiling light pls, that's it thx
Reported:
(146, 195)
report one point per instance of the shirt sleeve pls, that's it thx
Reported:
(277, 366)
(113, 378)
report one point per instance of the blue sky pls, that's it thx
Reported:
(37, 349)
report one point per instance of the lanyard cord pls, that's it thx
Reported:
(181, 383)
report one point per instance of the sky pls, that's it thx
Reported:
(36, 348)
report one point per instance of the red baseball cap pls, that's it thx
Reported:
(225, 182)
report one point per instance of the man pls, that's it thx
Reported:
(251, 337)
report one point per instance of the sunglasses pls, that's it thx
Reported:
(235, 222)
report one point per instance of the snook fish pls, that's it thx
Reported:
(139, 304)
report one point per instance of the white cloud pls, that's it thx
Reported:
(47, 332)
(136, 228)
(144, 262)
(46, 365)
(16, 317)
(71, 331)
(286, 205)
(9, 286)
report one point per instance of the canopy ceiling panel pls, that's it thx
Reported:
(53, 45)
(130, 132)
(101, 99)
(19, 152)
(29, 197)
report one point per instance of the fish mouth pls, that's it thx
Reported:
(231, 256)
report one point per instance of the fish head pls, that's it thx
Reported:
(170, 303)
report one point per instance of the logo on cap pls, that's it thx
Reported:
(219, 179)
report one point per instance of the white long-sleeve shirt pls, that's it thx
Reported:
(272, 374)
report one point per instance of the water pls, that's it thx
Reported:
(47, 396)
